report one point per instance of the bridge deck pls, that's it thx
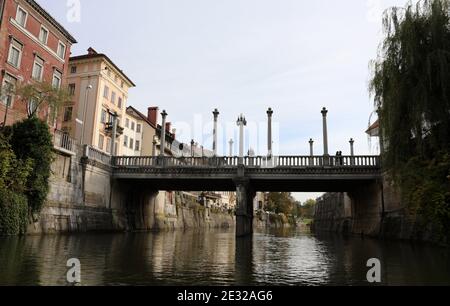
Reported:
(282, 173)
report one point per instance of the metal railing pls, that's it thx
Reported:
(63, 142)
(249, 162)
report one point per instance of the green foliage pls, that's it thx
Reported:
(282, 203)
(412, 95)
(13, 213)
(31, 140)
(307, 209)
(44, 95)
(426, 188)
(410, 82)
(13, 179)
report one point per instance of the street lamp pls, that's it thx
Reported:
(88, 89)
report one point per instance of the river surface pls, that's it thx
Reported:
(217, 258)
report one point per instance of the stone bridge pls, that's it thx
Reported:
(246, 176)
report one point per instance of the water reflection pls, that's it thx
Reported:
(217, 258)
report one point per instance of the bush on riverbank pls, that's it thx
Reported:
(13, 213)
(26, 154)
(31, 140)
(13, 178)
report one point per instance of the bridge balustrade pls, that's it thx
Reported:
(249, 162)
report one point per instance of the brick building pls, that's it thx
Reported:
(33, 47)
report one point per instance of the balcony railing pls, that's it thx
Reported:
(63, 142)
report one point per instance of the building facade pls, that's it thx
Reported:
(99, 91)
(133, 134)
(34, 47)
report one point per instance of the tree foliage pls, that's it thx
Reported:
(44, 95)
(31, 140)
(13, 180)
(307, 209)
(412, 94)
(282, 203)
(411, 82)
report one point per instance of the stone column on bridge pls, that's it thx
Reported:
(163, 134)
(244, 207)
(216, 116)
(241, 122)
(352, 148)
(311, 147)
(325, 137)
(192, 148)
(231, 142)
(352, 151)
(269, 133)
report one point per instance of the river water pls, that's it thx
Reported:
(217, 258)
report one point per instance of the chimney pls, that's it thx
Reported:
(169, 127)
(153, 115)
(91, 51)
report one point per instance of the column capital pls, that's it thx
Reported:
(351, 141)
(324, 111)
(164, 114)
(270, 112)
(311, 141)
(216, 113)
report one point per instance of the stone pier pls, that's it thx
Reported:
(244, 211)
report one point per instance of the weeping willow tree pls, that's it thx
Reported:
(411, 87)
(411, 81)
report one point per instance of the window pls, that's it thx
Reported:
(108, 145)
(15, 53)
(71, 89)
(131, 143)
(127, 123)
(138, 145)
(119, 102)
(61, 50)
(101, 140)
(57, 77)
(125, 141)
(68, 114)
(32, 107)
(9, 83)
(138, 128)
(106, 92)
(38, 69)
(21, 16)
(132, 126)
(73, 69)
(113, 97)
(103, 116)
(43, 35)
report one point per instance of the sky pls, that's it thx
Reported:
(242, 57)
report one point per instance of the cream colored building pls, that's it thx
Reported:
(99, 89)
(133, 134)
